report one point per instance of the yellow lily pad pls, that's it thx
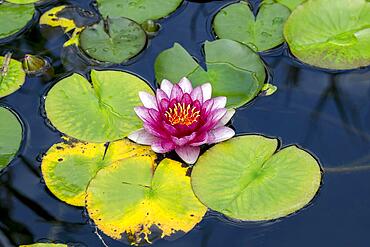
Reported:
(68, 167)
(130, 200)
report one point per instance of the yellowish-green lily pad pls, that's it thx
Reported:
(131, 199)
(246, 178)
(100, 111)
(44, 245)
(10, 136)
(12, 76)
(68, 167)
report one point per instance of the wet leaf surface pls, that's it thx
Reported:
(335, 35)
(237, 22)
(12, 75)
(113, 40)
(138, 10)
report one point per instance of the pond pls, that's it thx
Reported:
(325, 111)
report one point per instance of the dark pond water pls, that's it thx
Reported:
(325, 113)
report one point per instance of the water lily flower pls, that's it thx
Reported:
(182, 118)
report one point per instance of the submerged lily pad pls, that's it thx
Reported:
(331, 34)
(138, 10)
(131, 198)
(19, 15)
(10, 136)
(237, 22)
(233, 69)
(69, 18)
(245, 179)
(113, 40)
(68, 167)
(100, 111)
(12, 76)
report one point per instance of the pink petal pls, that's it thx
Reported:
(188, 154)
(167, 86)
(150, 128)
(143, 113)
(207, 91)
(148, 100)
(142, 137)
(197, 94)
(225, 119)
(207, 106)
(161, 95)
(185, 85)
(186, 99)
(220, 134)
(162, 146)
(176, 93)
(219, 102)
(200, 140)
(164, 103)
(183, 140)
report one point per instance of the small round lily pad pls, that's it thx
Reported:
(233, 69)
(330, 34)
(68, 167)
(10, 136)
(133, 199)
(245, 178)
(23, 1)
(138, 10)
(100, 111)
(12, 76)
(237, 22)
(114, 40)
(19, 15)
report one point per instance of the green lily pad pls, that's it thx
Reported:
(20, 16)
(246, 179)
(331, 34)
(12, 76)
(100, 111)
(138, 10)
(10, 136)
(68, 167)
(233, 69)
(44, 245)
(130, 198)
(237, 22)
(113, 40)
(23, 1)
(291, 4)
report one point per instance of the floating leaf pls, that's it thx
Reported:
(127, 199)
(12, 75)
(331, 34)
(245, 179)
(113, 40)
(20, 16)
(23, 1)
(138, 10)
(233, 69)
(68, 167)
(237, 22)
(100, 111)
(269, 89)
(44, 245)
(10, 136)
(69, 18)
(291, 4)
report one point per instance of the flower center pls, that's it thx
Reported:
(182, 114)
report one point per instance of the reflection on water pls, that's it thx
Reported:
(326, 113)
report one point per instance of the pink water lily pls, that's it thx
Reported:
(181, 118)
